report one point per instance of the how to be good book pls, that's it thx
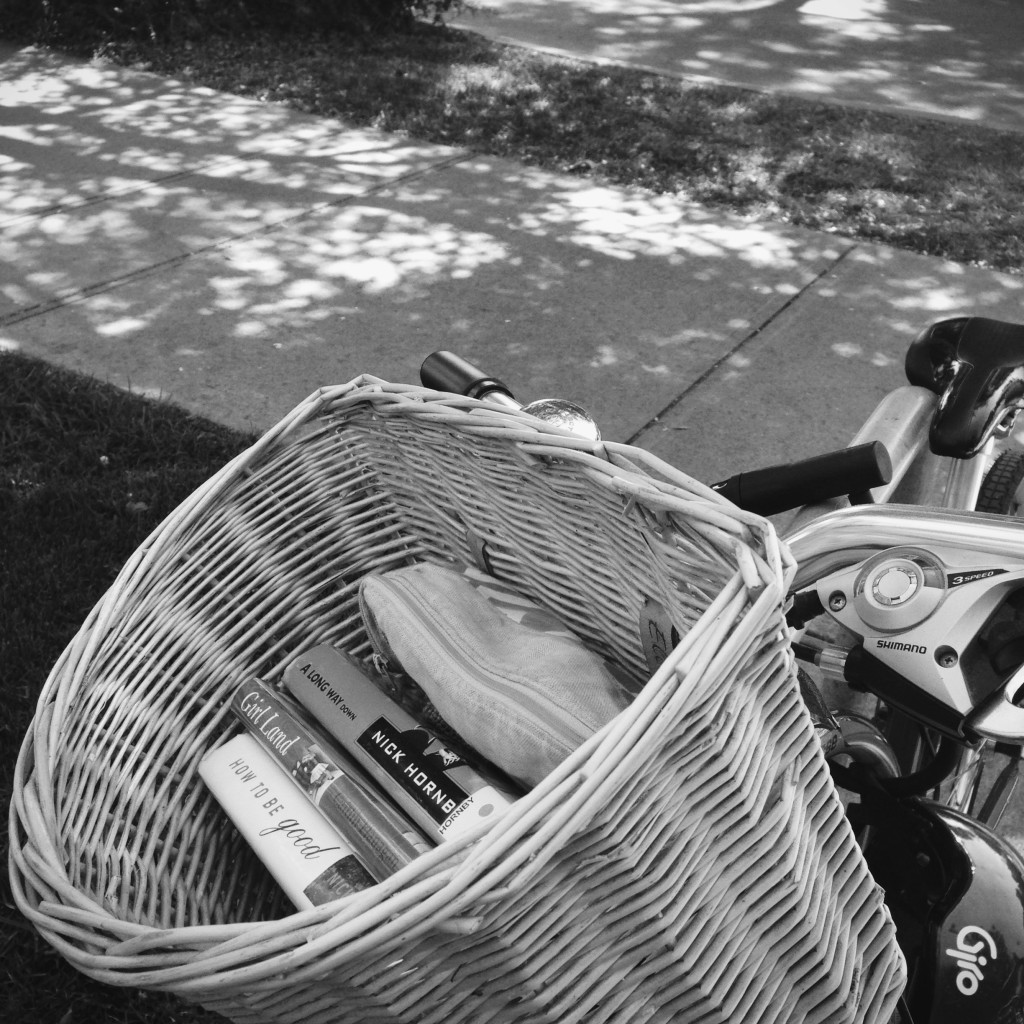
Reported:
(307, 856)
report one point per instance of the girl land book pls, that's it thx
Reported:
(305, 854)
(382, 839)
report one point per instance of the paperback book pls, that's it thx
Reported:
(306, 855)
(429, 781)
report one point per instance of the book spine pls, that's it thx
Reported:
(430, 782)
(382, 839)
(307, 857)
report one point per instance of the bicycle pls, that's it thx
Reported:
(943, 441)
(926, 591)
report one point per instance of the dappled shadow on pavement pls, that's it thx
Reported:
(944, 58)
(557, 284)
(128, 170)
(233, 256)
(72, 132)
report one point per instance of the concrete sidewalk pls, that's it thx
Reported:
(954, 59)
(232, 256)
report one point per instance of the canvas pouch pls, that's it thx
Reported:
(511, 680)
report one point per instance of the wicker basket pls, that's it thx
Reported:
(690, 862)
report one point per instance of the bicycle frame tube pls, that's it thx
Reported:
(849, 535)
(937, 481)
(901, 421)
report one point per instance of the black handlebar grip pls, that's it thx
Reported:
(778, 488)
(445, 371)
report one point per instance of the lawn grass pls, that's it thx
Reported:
(945, 189)
(86, 471)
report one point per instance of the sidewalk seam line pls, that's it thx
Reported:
(83, 202)
(742, 343)
(84, 292)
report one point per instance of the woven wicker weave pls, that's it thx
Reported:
(690, 862)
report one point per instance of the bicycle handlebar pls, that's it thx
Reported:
(848, 471)
(851, 471)
(445, 371)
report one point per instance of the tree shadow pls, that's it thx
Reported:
(232, 256)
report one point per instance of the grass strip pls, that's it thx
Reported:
(952, 190)
(86, 473)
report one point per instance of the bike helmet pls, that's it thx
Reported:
(956, 893)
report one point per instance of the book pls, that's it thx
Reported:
(306, 855)
(382, 839)
(429, 781)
